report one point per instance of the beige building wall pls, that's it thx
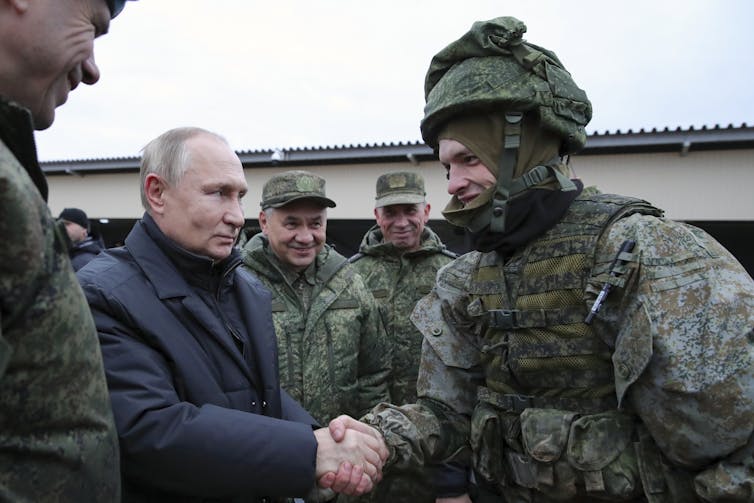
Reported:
(706, 185)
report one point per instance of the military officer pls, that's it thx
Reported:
(334, 357)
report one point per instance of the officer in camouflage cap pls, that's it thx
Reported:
(588, 349)
(57, 437)
(294, 186)
(334, 356)
(399, 258)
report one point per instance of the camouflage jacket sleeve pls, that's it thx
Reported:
(683, 359)
(436, 428)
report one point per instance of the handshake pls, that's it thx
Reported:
(350, 457)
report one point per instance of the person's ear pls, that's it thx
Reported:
(263, 222)
(154, 189)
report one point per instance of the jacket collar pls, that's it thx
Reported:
(198, 271)
(259, 258)
(154, 256)
(374, 244)
(17, 132)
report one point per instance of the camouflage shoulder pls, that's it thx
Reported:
(457, 274)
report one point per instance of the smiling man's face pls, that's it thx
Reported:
(55, 42)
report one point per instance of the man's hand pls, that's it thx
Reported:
(350, 456)
(341, 424)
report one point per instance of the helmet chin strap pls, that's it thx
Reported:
(506, 165)
(507, 187)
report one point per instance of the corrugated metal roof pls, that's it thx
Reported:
(618, 142)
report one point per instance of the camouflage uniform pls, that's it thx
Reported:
(654, 401)
(334, 357)
(57, 437)
(398, 280)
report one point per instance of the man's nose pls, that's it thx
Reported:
(90, 71)
(455, 181)
(305, 236)
(235, 216)
(402, 220)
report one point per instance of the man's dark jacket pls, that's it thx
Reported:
(194, 385)
(81, 253)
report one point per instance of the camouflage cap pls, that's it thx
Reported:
(294, 185)
(403, 187)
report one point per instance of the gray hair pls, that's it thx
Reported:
(168, 157)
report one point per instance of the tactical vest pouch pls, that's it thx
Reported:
(569, 455)
(486, 441)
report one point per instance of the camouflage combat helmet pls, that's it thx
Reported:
(492, 68)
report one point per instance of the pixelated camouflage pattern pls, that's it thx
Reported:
(398, 279)
(681, 321)
(399, 187)
(290, 186)
(492, 67)
(57, 436)
(334, 358)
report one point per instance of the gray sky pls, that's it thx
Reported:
(309, 73)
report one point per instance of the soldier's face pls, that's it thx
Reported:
(403, 224)
(55, 50)
(467, 176)
(296, 232)
(203, 211)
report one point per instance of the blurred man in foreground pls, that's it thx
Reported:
(57, 438)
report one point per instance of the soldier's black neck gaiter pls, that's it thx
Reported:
(529, 216)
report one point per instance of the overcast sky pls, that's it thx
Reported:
(309, 73)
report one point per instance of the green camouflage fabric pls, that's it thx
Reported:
(397, 280)
(399, 187)
(680, 325)
(293, 185)
(57, 437)
(334, 358)
(493, 68)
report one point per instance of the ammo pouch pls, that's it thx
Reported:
(561, 454)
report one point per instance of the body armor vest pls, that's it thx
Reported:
(547, 419)
(538, 351)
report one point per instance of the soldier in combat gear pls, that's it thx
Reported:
(646, 394)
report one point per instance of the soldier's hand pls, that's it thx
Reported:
(351, 463)
(341, 424)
